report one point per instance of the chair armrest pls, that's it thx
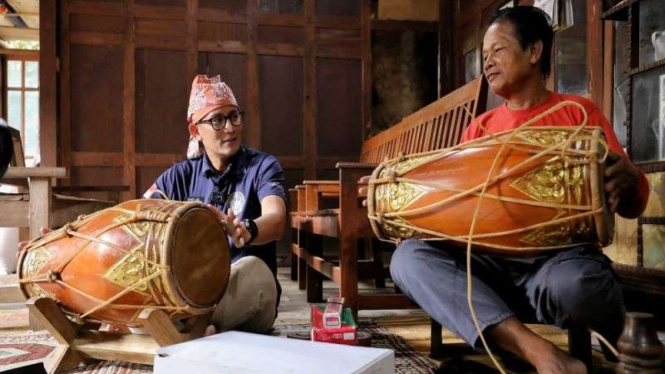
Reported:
(35, 172)
(90, 188)
(356, 165)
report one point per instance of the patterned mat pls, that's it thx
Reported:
(407, 360)
(19, 349)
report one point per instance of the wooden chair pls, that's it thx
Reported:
(35, 205)
(579, 344)
(438, 125)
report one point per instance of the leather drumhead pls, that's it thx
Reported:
(200, 257)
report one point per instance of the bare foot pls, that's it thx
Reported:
(210, 330)
(559, 362)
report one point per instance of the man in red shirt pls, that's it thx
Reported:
(573, 288)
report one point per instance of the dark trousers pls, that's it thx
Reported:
(572, 288)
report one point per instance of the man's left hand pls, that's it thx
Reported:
(621, 180)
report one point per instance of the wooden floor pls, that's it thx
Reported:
(412, 325)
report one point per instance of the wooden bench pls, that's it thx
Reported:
(436, 126)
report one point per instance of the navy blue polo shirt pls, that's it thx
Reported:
(249, 177)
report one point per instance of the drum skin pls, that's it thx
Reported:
(547, 202)
(139, 254)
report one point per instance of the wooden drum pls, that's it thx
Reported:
(110, 265)
(543, 191)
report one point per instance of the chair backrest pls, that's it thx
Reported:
(436, 126)
(18, 158)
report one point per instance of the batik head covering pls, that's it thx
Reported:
(207, 95)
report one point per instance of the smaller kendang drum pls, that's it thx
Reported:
(110, 265)
(544, 192)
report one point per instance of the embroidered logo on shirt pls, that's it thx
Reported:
(236, 202)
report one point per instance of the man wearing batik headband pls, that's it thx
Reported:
(245, 188)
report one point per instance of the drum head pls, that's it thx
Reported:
(200, 257)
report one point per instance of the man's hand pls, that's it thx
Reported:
(362, 190)
(22, 245)
(622, 180)
(233, 226)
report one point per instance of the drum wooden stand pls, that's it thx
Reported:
(78, 344)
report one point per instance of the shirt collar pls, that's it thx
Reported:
(237, 163)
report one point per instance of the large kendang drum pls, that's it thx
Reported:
(524, 192)
(111, 265)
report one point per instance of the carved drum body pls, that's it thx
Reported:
(110, 265)
(544, 192)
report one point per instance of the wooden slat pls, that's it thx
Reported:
(366, 48)
(253, 79)
(192, 38)
(97, 8)
(65, 131)
(216, 15)
(18, 33)
(14, 213)
(280, 49)
(129, 105)
(40, 205)
(340, 22)
(311, 99)
(272, 19)
(34, 172)
(374, 302)
(96, 38)
(97, 159)
(11, 293)
(380, 24)
(48, 79)
(224, 46)
(161, 12)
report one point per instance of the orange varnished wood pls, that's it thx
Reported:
(505, 207)
(121, 247)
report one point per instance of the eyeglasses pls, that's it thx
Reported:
(219, 122)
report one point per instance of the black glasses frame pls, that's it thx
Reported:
(219, 121)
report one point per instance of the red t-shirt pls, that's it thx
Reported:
(503, 118)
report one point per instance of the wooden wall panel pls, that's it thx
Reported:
(224, 31)
(281, 34)
(338, 8)
(280, 57)
(281, 6)
(339, 107)
(180, 3)
(232, 68)
(96, 99)
(229, 6)
(281, 101)
(96, 23)
(146, 176)
(95, 176)
(162, 93)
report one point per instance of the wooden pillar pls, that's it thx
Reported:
(129, 104)
(48, 82)
(254, 125)
(446, 47)
(192, 40)
(310, 144)
(65, 133)
(366, 40)
(594, 30)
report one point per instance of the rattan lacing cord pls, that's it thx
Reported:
(562, 150)
(70, 229)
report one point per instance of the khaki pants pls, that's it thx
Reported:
(250, 298)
